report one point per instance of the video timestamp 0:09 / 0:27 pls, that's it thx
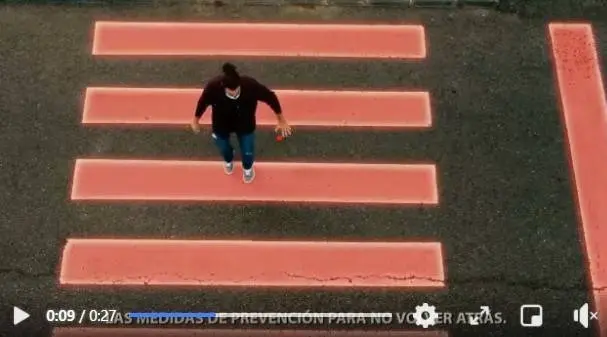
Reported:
(82, 316)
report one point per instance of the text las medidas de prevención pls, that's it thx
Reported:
(443, 318)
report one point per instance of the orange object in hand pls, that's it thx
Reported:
(279, 138)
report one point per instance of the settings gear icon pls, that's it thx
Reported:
(425, 315)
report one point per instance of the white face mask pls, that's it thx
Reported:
(233, 95)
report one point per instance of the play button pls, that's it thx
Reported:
(19, 315)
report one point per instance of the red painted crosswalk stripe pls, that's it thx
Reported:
(109, 179)
(251, 263)
(141, 332)
(259, 39)
(584, 106)
(307, 108)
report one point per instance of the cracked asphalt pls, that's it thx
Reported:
(506, 217)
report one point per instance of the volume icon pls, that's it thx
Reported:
(582, 315)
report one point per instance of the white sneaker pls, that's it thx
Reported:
(248, 176)
(228, 168)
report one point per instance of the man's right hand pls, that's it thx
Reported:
(195, 127)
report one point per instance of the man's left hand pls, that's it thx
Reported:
(284, 129)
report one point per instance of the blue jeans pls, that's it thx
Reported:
(246, 143)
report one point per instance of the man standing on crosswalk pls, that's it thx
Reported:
(234, 100)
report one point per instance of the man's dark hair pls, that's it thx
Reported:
(231, 79)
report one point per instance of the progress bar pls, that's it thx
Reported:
(151, 332)
(260, 315)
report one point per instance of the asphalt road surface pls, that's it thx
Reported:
(506, 219)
